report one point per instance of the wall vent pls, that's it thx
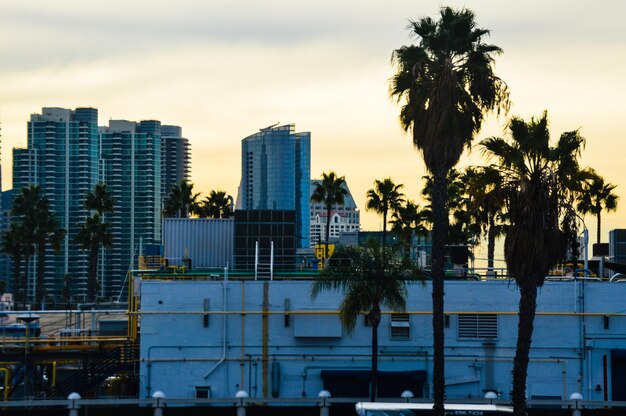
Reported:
(400, 326)
(475, 326)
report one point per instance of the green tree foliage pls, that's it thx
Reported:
(216, 205)
(407, 221)
(181, 202)
(537, 199)
(371, 277)
(597, 196)
(384, 198)
(330, 191)
(94, 233)
(40, 227)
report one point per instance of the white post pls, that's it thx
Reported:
(575, 397)
(272, 260)
(158, 397)
(241, 408)
(325, 406)
(256, 260)
(74, 399)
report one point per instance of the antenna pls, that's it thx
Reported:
(270, 127)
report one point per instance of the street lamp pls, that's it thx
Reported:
(27, 319)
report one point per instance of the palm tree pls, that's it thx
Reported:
(485, 189)
(371, 277)
(535, 200)
(446, 83)
(181, 202)
(99, 200)
(40, 226)
(597, 196)
(92, 235)
(383, 198)
(14, 245)
(409, 220)
(216, 205)
(331, 191)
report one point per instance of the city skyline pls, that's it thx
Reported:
(221, 72)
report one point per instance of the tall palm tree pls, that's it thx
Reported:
(535, 199)
(384, 198)
(92, 235)
(40, 227)
(216, 205)
(371, 277)
(181, 202)
(331, 191)
(446, 83)
(409, 220)
(597, 196)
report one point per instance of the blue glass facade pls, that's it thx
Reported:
(62, 158)
(131, 168)
(275, 174)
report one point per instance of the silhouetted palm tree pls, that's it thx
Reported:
(485, 189)
(597, 196)
(99, 200)
(384, 199)
(40, 226)
(181, 202)
(446, 84)
(331, 191)
(534, 241)
(92, 235)
(216, 205)
(407, 221)
(371, 277)
(14, 245)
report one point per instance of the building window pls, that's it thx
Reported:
(203, 392)
(475, 326)
(400, 326)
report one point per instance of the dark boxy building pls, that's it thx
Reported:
(265, 227)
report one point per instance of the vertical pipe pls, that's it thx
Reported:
(54, 373)
(265, 348)
(272, 260)
(256, 259)
(243, 344)
(605, 377)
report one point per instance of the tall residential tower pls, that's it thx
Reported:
(176, 155)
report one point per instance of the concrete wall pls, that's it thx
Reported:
(179, 353)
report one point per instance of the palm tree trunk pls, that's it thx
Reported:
(41, 262)
(17, 289)
(527, 307)
(92, 282)
(598, 234)
(26, 278)
(440, 225)
(491, 246)
(384, 229)
(375, 321)
(328, 211)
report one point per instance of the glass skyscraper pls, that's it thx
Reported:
(276, 174)
(131, 168)
(62, 158)
(67, 155)
(176, 155)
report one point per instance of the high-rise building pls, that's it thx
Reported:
(276, 175)
(62, 158)
(176, 154)
(131, 168)
(343, 218)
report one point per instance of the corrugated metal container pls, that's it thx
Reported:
(208, 242)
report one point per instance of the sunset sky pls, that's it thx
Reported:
(222, 69)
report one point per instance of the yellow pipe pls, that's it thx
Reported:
(243, 345)
(6, 382)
